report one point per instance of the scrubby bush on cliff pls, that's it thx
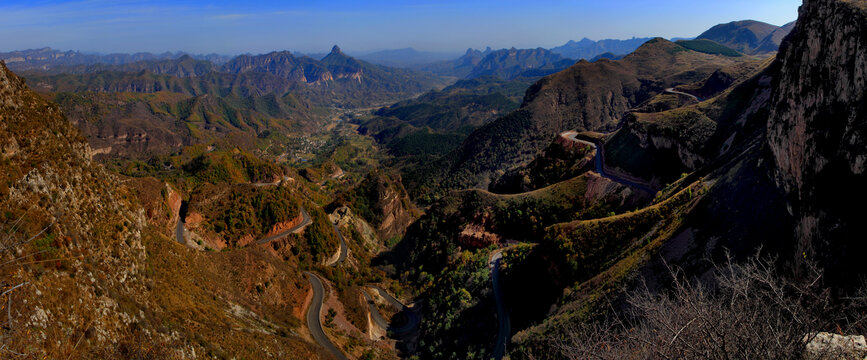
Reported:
(747, 311)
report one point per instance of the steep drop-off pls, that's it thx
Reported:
(818, 134)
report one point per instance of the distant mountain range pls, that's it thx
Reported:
(589, 49)
(460, 67)
(157, 106)
(504, 63)
(336, 79)
(532, 63)
(47, 58)
(514, 61)
(749, 36)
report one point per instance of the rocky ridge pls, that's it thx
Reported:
(816, 130)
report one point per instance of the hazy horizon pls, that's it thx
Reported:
(231, 27)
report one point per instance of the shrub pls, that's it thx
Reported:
(748, 311)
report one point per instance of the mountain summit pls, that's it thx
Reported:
(748, 36)
(336, 50)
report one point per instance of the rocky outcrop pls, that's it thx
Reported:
(204, 238)
(817, 131)
(344, 216)
(383, 202)
(285, 225)
(475, 236)
(825, 345)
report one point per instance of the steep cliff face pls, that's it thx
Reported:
(817, 130)
(382, 201)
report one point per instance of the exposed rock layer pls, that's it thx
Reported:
(817, 129)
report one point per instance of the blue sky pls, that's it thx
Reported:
(232, 27)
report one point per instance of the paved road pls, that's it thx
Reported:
(673, 91)
(179, 231)
(599, 161)
(313, 312)
(374, 312)
(502, 314)
(344, 250)
(412, 318)
(394, 302)
(306, 220)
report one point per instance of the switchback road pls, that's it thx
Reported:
(599, 160)
(305, 220)
(344, 250)
(673, 91)
(412, 318)
(313, 314)
(179, 231)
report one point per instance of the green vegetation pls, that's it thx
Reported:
(329, 318)
(586, 96)
(244, 210)
(320, 236)
(345, 153)
(371, 197)
(688, 130)
(557, 163)
(223, 167)
(585, 248)
(424, 142)
(432, 240)
(484, 85)
(437, 122)
(459, 323)
(708, 47)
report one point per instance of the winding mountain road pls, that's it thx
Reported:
(412, 318)
(502, 314)
(394, 301)
(374, 312)
(313, 314)
(344, 250)
(673, 91)
(599, 161)
(305, 220)
(179, 231)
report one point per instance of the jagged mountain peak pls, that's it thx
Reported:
(336, 50)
